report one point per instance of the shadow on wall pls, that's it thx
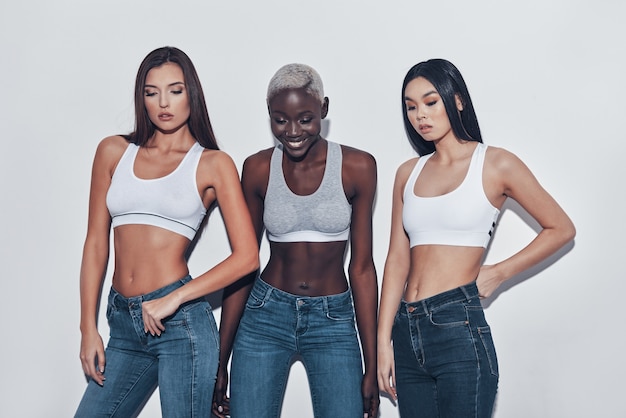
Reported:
(515, 207)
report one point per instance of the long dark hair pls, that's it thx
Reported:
(199, 123)
(449, 83)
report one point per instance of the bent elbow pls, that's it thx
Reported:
(564, 234)
(254, 263)
(248, 262)
(570, 232)
(364, 274)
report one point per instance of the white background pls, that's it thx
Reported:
(547, 80)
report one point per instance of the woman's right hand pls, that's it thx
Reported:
(92, 356)
(386, 371)
(221, 402)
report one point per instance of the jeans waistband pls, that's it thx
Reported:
(460, 294)
(120, 301)
(281, 296)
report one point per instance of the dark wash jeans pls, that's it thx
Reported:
(182, 361)
(445, 360)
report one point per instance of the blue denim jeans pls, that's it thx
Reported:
(278, 327)
(182, 361)
(445, 360)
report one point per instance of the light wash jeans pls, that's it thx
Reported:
(278, 327)
(445, 360)
(182, 361)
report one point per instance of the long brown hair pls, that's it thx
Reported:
(199, 123)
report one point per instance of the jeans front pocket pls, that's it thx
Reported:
(258, 295)
(110, 311)
(340, 312)
(111, 308)
(450, 315)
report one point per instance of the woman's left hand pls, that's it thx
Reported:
(488, 281)
(154, 311)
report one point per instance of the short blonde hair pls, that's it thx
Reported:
(296, 76)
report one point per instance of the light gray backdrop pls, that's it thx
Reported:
(547, 81)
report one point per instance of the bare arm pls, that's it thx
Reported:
(515, 180)
(360, 169)
(243, 259)
(394, 280)
(95, 256)
(235, 295)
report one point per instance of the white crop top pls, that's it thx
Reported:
(322, 216)
(463, 217)
(171, 202)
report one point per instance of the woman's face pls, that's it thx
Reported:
(296, 120)
(426, 111)
(166, 98)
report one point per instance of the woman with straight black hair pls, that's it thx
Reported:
(448, 81)
(435, 350)
(154, 187)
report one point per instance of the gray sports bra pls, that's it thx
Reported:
(322, 216)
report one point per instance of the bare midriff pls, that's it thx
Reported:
(147, 258)
(439, 268)
(307, 268)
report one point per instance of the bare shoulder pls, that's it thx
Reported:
(260, 156)
(357, 158)
(215, 156)
(114, 144)
(109, 152)
(258, 163)
(502, 161)
(404, 170)
(216, 162)
(402, 174)
(217, 170)
(357, 154)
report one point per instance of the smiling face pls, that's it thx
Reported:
(296, 120)
(426, 111)
(166, 98)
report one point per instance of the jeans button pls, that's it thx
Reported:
(300, 302)
(411, 309)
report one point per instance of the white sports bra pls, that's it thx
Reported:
(463, 217)
(171, 202)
